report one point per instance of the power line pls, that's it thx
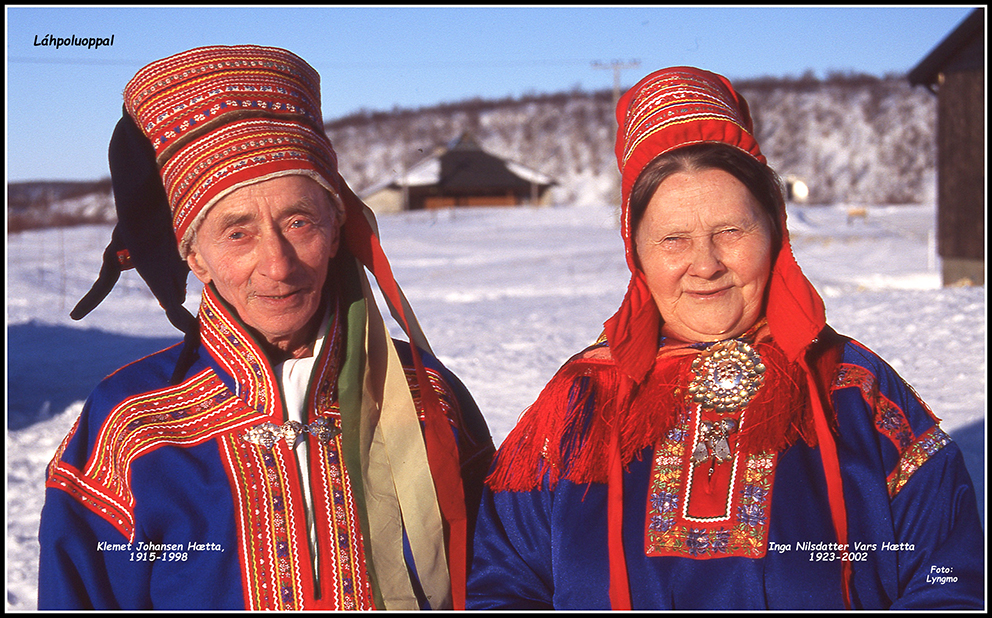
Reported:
(76, 61)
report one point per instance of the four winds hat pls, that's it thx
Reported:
(220, 118)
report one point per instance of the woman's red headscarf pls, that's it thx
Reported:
(666, 110)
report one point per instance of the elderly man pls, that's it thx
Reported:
(288, 454)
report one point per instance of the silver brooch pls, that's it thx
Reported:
(267, 434)
(727, 375)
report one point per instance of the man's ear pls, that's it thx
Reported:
(198, 266)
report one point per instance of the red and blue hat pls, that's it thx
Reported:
(223, 117)
(669, 109)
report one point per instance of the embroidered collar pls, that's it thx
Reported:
(238, 352)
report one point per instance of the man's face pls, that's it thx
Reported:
(266, 248)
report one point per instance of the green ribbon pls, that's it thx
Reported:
(350, 387)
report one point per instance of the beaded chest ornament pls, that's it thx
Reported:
(726, 376)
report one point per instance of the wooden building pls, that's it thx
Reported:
(955, 72)
(461, 174)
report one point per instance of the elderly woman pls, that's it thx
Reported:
(721, 447)
(289, 454)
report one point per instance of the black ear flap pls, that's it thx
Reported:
(143, 237)
(145, 220)
(144, 229)
(115, 259)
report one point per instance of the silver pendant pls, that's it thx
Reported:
(702, 452)
(726, 376)
(713, 441)
(721, 448)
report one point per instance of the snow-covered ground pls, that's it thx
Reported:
(505, 297)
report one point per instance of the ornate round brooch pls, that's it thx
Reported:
(727, 375)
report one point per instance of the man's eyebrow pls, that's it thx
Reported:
(307, 205)
(234, 219)
(304, 205)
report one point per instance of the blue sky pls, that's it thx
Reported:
(62, 104)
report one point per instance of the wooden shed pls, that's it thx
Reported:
(461, 174)
(955, 72)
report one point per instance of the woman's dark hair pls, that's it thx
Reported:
(761, 180)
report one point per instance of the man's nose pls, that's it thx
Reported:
(277, 256)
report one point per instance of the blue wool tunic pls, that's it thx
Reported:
(914, 534)
(156, 500)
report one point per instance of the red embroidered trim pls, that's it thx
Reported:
(276, 564)
(915, 456)
(448, 404)
(741, 530)
(269, 553)
(274, 550)
(57, 458)
(345, 547)
(233, 348)
(890, 420)
(93, 496)
(184, 415)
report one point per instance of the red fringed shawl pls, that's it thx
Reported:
(566, 432)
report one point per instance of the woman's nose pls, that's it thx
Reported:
(705, 257)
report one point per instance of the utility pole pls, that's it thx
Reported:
(617, 66)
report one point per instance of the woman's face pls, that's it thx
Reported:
(704, 245)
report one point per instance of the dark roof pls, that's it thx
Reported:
(962, 49)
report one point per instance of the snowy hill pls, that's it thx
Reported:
(853, 139)
(505, 296)
(43, 204)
